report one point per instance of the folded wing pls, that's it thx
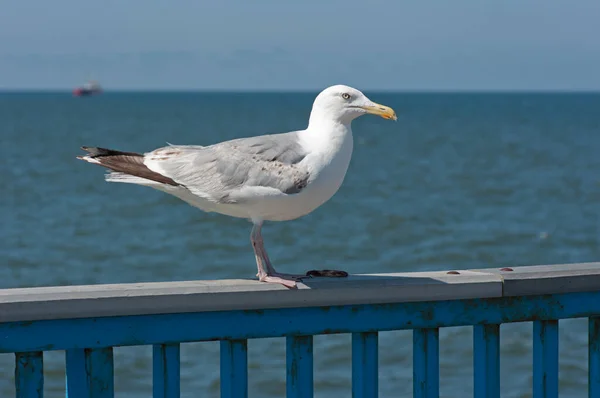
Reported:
(225, 172)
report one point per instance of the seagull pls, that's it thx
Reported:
(274, 177)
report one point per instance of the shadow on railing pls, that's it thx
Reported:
(88, 321)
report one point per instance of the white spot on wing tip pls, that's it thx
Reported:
(88, 159)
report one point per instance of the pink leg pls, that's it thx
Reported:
(272, 272)
(269, 274)
(325, 273)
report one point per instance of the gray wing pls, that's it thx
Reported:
(216, 172)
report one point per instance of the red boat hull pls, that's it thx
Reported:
(83, 92)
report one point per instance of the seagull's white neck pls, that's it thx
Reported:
(325, 134)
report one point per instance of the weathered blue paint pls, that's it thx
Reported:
(77, 373)
(90, 373)
(155, 329)
(486, 361)
(426, 363)
(545, 359)
(299, 367)
(29, 374)
(234, 368)
(365, 375)
(165, 370)
(90, 360)
(594, 357)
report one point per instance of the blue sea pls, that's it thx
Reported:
(460, 181)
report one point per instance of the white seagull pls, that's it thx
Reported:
(275, 177)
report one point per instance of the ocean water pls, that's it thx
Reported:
(460, 181)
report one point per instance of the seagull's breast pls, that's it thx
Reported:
(327, 167)
(328, 171)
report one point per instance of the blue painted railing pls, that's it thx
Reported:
(88, 321)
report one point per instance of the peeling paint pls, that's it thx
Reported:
(299, 366)
(29, 374)
(94, 363)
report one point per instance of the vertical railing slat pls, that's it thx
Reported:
(90, 373)
(299, 364)
(365, 365)
(29, 374)
(426, 363)
(594, 357)
(166, 370)
(234, 368)
(486, 361)
(545, 359)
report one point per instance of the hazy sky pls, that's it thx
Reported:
(406, 45)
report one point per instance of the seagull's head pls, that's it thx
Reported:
(343, 104)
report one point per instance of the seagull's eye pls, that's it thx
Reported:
(346, 96)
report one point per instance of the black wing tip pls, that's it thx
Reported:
(89, 154)
(94, 151)
(93, 148)
(124, 162)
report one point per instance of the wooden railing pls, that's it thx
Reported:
(87, 322)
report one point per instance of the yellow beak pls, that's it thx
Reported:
(381, 110)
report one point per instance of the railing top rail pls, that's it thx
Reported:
(548, 279)
(67, 302)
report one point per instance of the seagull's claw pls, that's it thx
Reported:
(287, 282)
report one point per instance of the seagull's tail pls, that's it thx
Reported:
(125, 166)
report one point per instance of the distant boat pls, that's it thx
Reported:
(89, 88)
